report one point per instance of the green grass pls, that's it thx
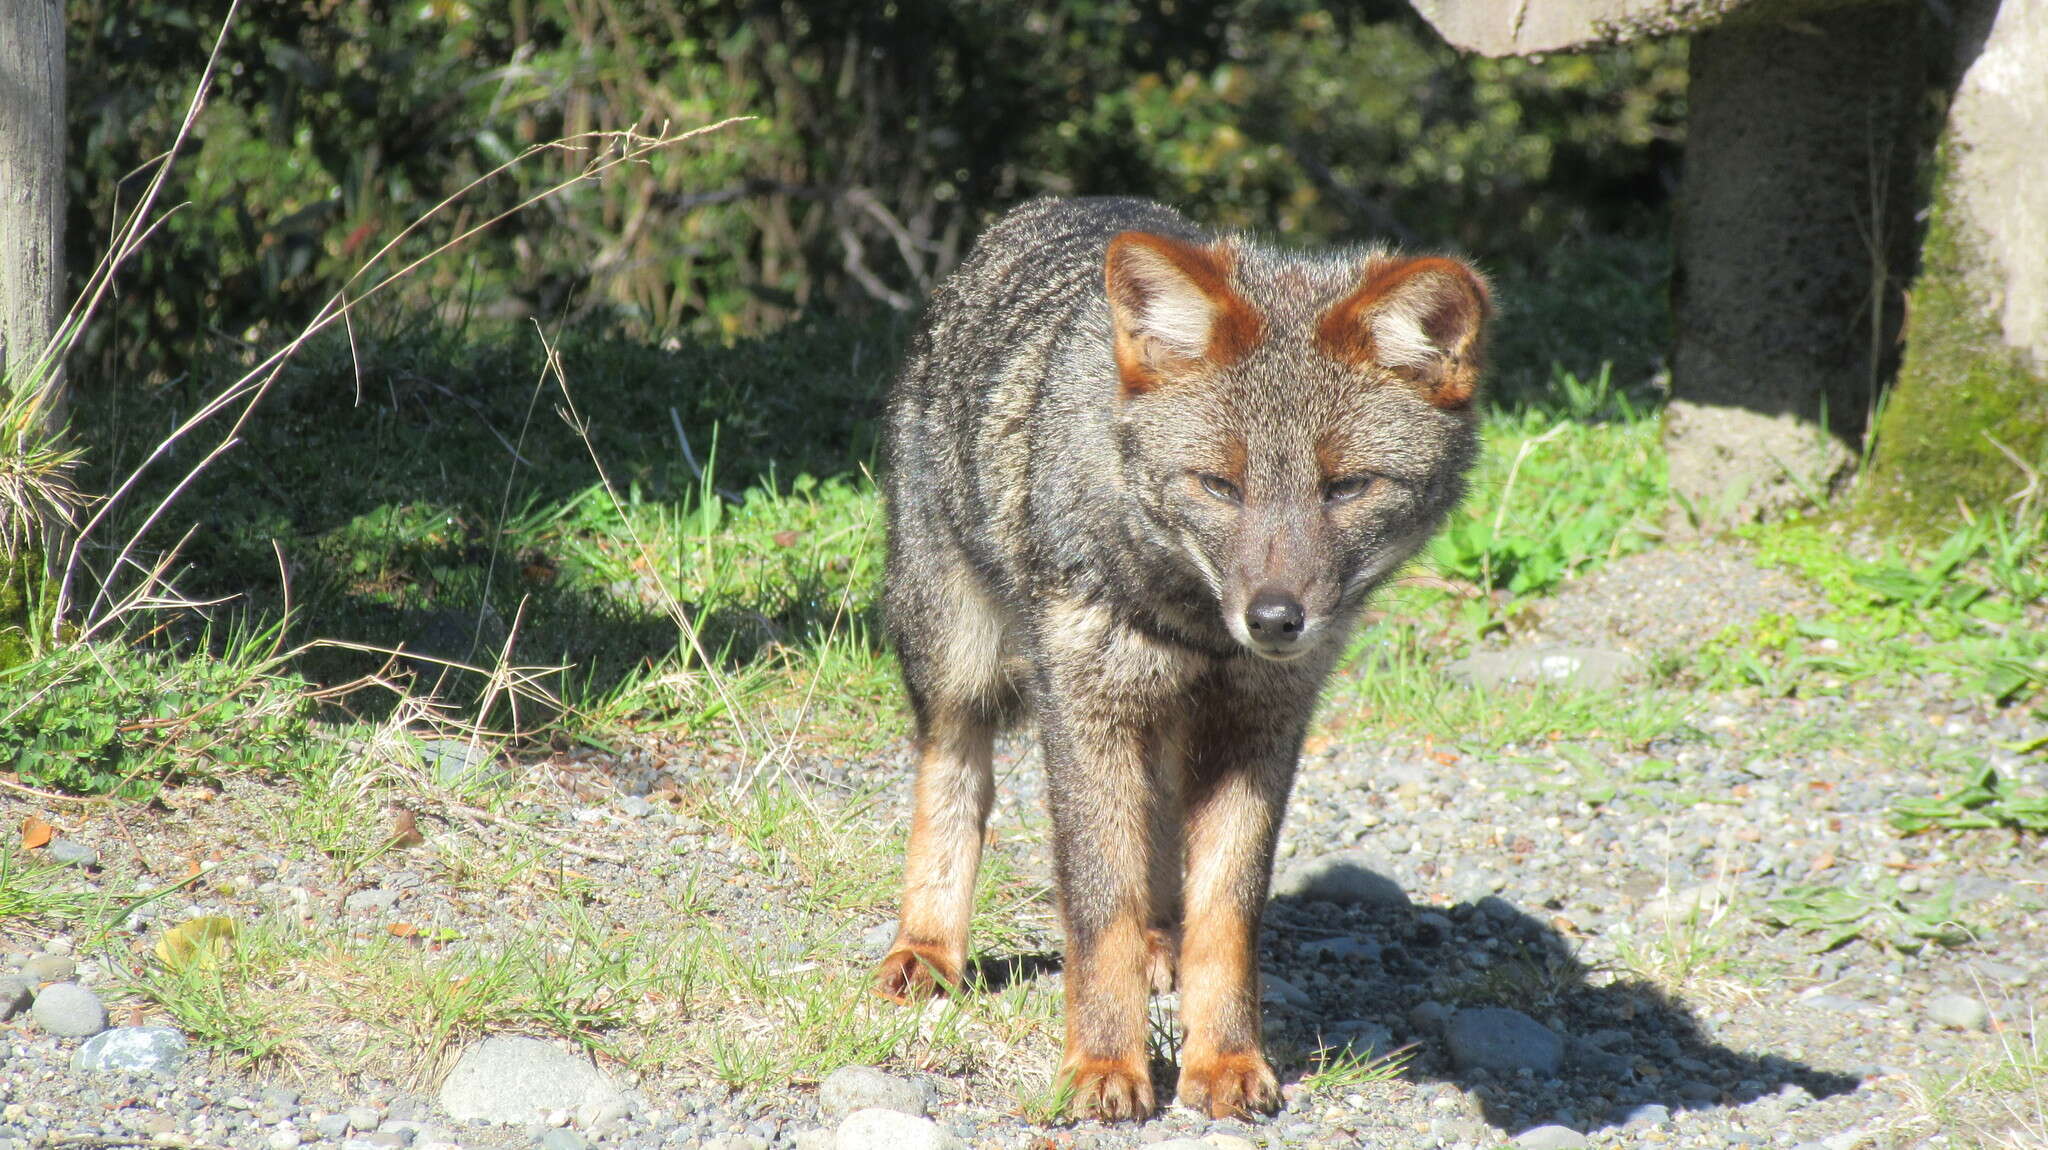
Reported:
(1973, 605)
(1879, 913)
(1342, 1071)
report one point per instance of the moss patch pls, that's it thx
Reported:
(1958, 382)
(23, 587)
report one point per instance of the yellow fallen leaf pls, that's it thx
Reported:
(35, 833)
(204, 941)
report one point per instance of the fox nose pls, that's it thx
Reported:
(1274, 616)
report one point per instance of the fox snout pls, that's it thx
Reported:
(1274, 620)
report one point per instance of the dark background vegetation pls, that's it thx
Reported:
(887, 136)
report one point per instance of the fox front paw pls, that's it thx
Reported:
(1109, 1089)
(912, 972)
(1230, 1086)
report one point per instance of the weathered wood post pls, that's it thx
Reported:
(31, 178)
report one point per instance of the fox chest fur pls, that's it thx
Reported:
(1141, 480)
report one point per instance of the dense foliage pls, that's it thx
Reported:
(885, 135)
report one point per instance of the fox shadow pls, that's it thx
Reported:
(1375, 973)
(1372, 975)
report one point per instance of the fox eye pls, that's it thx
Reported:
(1348, 488)
(1218, 487)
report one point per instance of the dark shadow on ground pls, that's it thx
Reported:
(1380, 974)
(993, 974)
(1371, 970)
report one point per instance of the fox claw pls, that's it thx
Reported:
(1113, 1090)
(1230, 1086)
(909, 973)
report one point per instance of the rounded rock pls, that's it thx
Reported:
(852, 1088)
(877, 1129)
(69, 853)
(1551, 1138)
(152, 1050)
(50, 968)
(515, 1081)
(1503, 1041)
(69, 1010)
(16, 993)
(1958, 1012)
(1346, 878)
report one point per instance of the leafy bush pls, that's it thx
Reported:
(886, 135)
(101, 718)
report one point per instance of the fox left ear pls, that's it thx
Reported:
(1173, 307)
(1421, 319)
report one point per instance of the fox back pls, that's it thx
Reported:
(1143, 478)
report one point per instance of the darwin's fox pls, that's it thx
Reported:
(1141, 480)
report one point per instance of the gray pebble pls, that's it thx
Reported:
(893, 1130)
(1346, 878)
(1279, 991)
(279, 1098)
(332, 1127)
(635, 807)
(371, 901)
(1363, 1038)
(1693, 1090)
(1429, 1017)
(517, 1080)
(284, 1137)
(852, 1088)
(69, 853)
(1551, 1138)
(16, 993)
(1643, 1116)
(562, 1138)
(153, 1050)
(69, 1010)
(875, 940)
(1342, 950)
(364, 1118)
(50, 968)
(1958, 1012)
(1503, 1041)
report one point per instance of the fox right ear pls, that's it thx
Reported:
(1420, 319)
(1173, 307)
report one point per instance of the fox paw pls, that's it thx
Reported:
(1162, 958)
(1110, 1089)
(911, 972)
(1230, 1086)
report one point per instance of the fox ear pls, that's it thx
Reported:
(1420, 319)
(1173, 307)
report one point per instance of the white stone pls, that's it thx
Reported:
(893, 1130)
(513, 1081)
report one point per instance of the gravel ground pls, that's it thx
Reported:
(1567, 941)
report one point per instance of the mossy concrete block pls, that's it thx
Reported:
(1797, 197)
(1972, 392)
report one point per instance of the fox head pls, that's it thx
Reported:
(1294, 426)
